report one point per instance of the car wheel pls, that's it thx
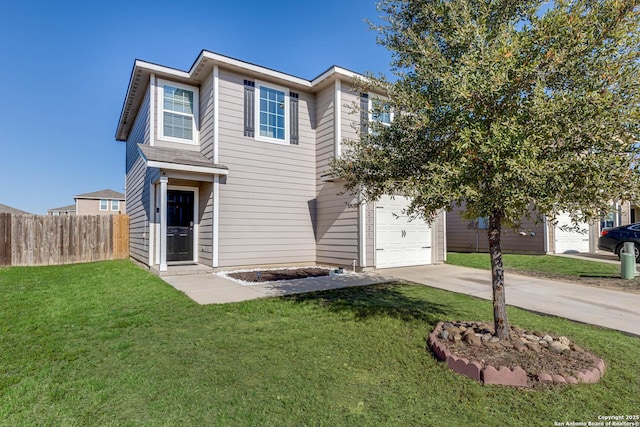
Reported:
(636, 251)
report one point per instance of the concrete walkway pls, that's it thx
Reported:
(603, 307)
(213, 289)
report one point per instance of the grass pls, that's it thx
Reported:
(538, 263)
(109, 344)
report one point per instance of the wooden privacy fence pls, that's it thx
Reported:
(28, 240)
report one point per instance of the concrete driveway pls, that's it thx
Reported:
(604, 307)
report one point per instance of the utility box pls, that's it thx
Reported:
(628, 261)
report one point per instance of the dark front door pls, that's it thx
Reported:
(179, 225)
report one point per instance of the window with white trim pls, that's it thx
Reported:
(177, 112)
(272, 113)
(380, 112)
(104, 205)
(115, 205)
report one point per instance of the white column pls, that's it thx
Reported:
(163, 223)
(216, 178)
(363, 232)
(337, 120)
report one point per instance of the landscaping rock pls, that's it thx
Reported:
(534, 347)
(558, 347)
(520, 346)
(564, 340)
(472, 339)
(576, 347)
(457, 344)
(506, 344)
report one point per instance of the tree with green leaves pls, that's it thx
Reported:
(512, 108)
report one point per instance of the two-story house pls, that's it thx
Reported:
(103, 202)
(227, 165)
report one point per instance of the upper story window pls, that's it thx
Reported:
(270, 113)
(104, 205)
(380, 112)
(373, 109)
(115, 205)
(178, 112)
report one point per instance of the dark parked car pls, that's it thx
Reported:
(613, 239)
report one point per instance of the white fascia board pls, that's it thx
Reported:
(339, 72)
(161, 69)
(219, 59)
(187, 168)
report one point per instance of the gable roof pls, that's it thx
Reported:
(102, 194)
(201, 68)
(10, 210)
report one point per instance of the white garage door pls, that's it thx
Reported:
(399, 241)
(571, 241)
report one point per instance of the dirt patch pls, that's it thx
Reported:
(275, 275)
(607, 282)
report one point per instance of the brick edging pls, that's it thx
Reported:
(517, 376)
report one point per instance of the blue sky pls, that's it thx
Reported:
(65, 68)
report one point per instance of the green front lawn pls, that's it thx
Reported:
(109, 344)
(538, 263)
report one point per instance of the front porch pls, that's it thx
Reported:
(183, 222)
(182, 270)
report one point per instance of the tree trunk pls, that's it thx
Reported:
(500, 320)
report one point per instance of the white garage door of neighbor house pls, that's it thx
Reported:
(400, 242)
(571, 241)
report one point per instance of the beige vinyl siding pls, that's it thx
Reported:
(92, 207)
(324, 129)
(137, 191)
(463, 237)
(349, 119)
(438, 229)
(266, 202)
(206, 117)
(337, 226)
(370, 229)
(205, 223)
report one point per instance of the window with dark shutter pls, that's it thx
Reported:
(293, 118)
(249, 112)
(364, 113)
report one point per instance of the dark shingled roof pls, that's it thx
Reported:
(102, 194)
(10, 210)
(177, 156)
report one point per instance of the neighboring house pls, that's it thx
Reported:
(103, 202)
(542, 238)
(10, 210)
(227, 165)
(64, 210)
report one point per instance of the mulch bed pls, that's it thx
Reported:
(276, 275)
